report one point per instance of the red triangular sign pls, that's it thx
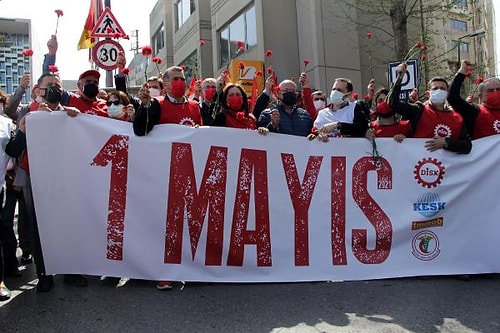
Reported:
(107, 25)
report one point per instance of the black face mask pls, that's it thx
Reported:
(90, 90)
(53, 94)
(289, 98)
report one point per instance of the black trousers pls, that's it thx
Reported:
(31, 219)
(7, 235)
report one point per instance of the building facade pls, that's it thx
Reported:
(15, 36)
(331, 35)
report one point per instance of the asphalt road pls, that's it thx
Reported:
(438, 304)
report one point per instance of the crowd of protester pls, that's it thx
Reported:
(294, 108)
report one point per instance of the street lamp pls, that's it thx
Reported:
(475, 33)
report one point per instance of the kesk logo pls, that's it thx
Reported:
(247, 73)
(425, 245)
(429, 172)
(428, 205)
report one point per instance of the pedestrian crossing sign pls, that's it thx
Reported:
(107, 25)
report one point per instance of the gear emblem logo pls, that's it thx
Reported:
(442, 131)
(429, 172)
(425, 245)
(496, 126)
(186, 121)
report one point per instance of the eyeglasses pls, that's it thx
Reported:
(319, 99)
(108, 103)
(493, 89)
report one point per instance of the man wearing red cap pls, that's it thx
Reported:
(434, 119)
(86, 101)
(483, 119)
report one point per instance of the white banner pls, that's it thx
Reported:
(229, 205)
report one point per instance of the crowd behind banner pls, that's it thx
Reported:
(444, 119)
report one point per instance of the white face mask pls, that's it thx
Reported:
(115, 111)
(336, 97)
(39, 99)
(319, 105)
(438, 96)
(154, 92)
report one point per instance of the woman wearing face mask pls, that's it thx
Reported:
(234, 112)
(119, 106)
(387, 124)
(433, 119)
(480, 119)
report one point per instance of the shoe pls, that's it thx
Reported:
(164, 285)
(4, 292)
(76, 280)
(13, 273)
(26, 259)
(45, 283)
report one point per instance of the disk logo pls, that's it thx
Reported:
(496, 126)
(429, 204)
(429, 172)
(425, 245)
(442, 131)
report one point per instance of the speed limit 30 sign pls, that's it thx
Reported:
(105, 54)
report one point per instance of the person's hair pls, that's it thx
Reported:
(481, 86)
(379, 92)
(348, 82)
(243, 94)
(438, 79)
(209, 79)
(122, 97)
(317, 92)
(4, 98)
(44, 75)
(171, 69)
(157, 79)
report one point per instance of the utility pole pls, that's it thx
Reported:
(109, 74)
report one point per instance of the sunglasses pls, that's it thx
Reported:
(108, 103)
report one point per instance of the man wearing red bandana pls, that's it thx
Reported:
(174, 108)
(480, 119)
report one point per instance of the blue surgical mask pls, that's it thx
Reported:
(115, 111)
(438, 96)
(336, 97)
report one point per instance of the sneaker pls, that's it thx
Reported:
(4, 292)
(26, 259)
(164, 285)
(45, 283)
(76, 280)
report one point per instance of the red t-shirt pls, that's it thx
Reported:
(487, 122)
(445, 124)
(389, 131)
(187, 113)
(97, 107)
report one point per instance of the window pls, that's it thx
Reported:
(242, 28)
(158, 40)
(183, 10)
(460, 3)
(458, 25)
(464, 47)
(191, 64)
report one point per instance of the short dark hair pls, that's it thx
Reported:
(157, 79)
(438, 79)
(348, 82)
(44, 75)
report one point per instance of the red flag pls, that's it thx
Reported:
(254, 93)
(192, 85)
(87, 42)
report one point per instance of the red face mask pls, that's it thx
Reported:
(493, 98)
(178, 88)
(235, 102)
(209, 94)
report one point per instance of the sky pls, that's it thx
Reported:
(70, 61)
